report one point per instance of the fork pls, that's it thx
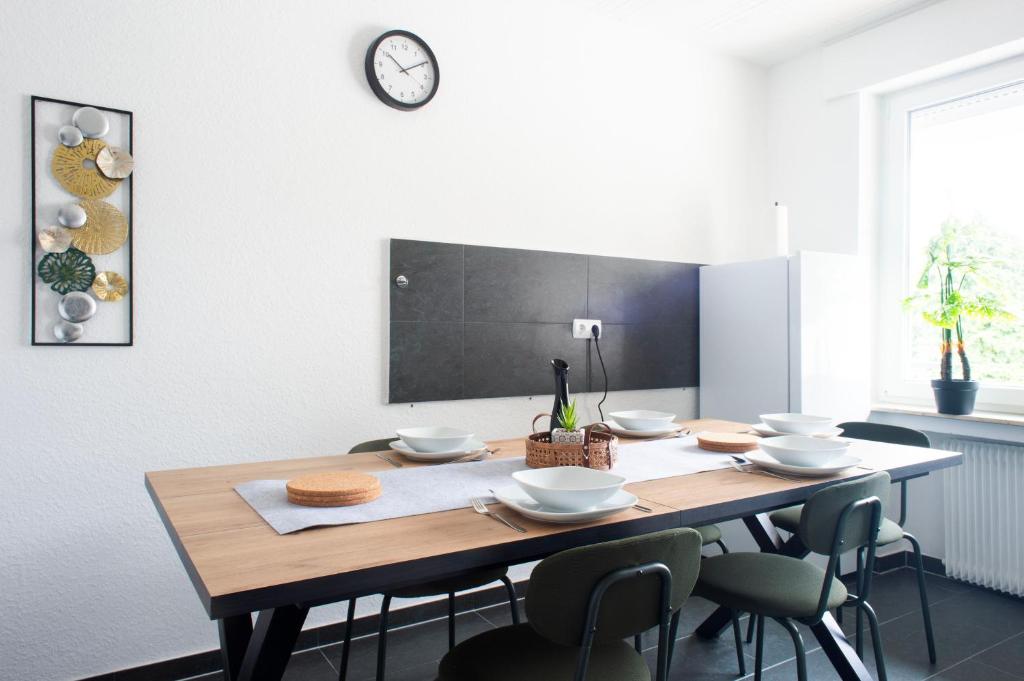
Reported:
(481, 508)
(741, 469)
(384, 457)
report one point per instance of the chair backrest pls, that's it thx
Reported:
(880, 432)
(372, 446)
(820, 517)
(561, 586)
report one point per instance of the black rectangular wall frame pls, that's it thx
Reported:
(479, 321)
(35, 225)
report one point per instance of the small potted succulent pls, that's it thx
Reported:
(951, 289)
(569, 431)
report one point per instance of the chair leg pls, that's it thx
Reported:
(382, 637)
(638, 643)
(451, 621)
(759, 648)
(739, 643)
(512, 601)
(346, 645)
(721, 545)
(860, 588)
(750, 628)
(673, 631)
(798, 643)
(876, 639)
(925, 611)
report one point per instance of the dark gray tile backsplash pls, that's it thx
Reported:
(435, 279)
(425, 361)
(479, 321)
(515, 359)
(628, 291)
(513, 285)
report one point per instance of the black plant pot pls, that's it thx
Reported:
(955, 396)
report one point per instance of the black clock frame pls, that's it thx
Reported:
(382, 94)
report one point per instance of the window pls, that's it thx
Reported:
(954, 161)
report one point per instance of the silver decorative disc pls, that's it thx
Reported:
(71, 215)
(115, 162)
(91, 122)
(67, 332)
(54, 239)
(70, 136)
(76, 306)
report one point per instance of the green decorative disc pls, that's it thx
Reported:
(71, 270)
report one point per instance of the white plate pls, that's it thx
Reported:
(625, 432)
(768, 431)
(470, 448)
(520, 502)
(838, 464)
(643, 419)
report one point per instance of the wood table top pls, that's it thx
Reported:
(238, 563)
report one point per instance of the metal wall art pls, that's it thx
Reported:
(82, 184)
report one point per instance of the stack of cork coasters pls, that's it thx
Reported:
(728, 443)
(343, 488)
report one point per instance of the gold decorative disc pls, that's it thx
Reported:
(104, 231)
(115, 162)
(110, 286)
(69, 166)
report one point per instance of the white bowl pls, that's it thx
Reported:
(643, 419)
(568, 488)
(434, 438)
(801, 450)
(797, 424)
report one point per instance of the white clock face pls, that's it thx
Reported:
(404, 70)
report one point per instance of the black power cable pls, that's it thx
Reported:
(595, 332)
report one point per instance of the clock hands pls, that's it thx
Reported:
(396, 63)
(426, 61)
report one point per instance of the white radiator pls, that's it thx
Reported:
(984, 513)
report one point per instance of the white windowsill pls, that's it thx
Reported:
(981, 424)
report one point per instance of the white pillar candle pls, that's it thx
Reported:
(781, 229)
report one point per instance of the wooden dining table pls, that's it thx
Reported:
(239, 565)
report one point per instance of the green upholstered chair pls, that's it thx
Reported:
(711, 534)
(581, 604)
(891, 532)
(836, 519)
(449, 586)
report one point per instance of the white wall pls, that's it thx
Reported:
(268, 180)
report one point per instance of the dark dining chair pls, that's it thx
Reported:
(449, 586)
(580, 606)
(891, 532)
(841, 517)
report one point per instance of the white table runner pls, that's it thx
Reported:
(443, 487)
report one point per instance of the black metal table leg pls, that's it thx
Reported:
(235, 633)
(272, 642)
(840, 653)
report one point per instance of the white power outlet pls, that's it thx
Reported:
(581, 328)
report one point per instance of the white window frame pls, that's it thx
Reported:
(893, 326)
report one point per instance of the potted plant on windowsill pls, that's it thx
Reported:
(951, 289)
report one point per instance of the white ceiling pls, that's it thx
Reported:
(766, 31)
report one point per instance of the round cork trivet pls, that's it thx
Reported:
(334, 485)
(326, 501)
(727, 442)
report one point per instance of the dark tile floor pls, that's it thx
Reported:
(979, 636)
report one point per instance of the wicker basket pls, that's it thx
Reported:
(599, 449)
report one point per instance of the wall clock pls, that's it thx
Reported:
(402, 70)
